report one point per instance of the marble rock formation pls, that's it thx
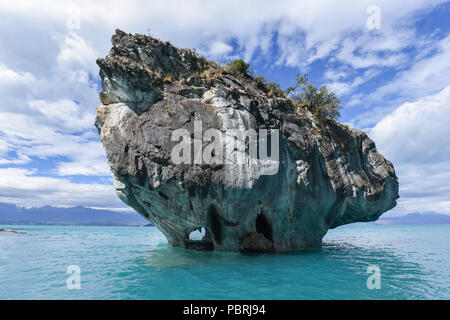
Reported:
(326, 174)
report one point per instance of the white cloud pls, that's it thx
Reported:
(418, 131)
(415, 138)
(25, 188)
(369, 54)
(343, 88)
(63, 113)
(4, 147)
(88, 160)
(198, 23)
(426, 76)
(76, 52)
(85, 167)
(49, 110)
(32, 136)
(335, 75)
(219, 48)
(21, 159)
(10, 77)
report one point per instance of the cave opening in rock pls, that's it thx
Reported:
(199, 239)
(215, 223)
(263, 226)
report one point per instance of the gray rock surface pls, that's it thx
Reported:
(328, 174)
(12, 231)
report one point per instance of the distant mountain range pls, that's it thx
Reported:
(81, 216)
(415, 218)
(76, 216)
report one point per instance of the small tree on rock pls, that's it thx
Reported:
(237, 66)
(321, 102)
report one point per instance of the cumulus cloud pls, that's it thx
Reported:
(10, 77)
(26, 188)
(64, 113)
(426, 76)
(415, 138)
(250, 23)
(31, 136)
(21, 159)
(219, 49)
(75, 53)
(343, 88)
(48, 82)
(423, 77)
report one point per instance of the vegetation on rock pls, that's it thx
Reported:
(321, 102)
(237, 67)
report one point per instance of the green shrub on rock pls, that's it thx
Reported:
(321, 102)
(237, 66)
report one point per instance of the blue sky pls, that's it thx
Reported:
(394, 82)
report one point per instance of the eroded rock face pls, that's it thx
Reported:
(328, 174)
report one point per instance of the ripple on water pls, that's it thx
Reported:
(137, 263)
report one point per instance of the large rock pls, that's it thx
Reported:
(327, 174)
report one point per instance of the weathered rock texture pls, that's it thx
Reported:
(329, 174)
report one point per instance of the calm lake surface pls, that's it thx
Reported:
(137, 263)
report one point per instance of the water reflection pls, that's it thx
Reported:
(164, 256)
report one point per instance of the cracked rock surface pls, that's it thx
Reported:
(328, 174)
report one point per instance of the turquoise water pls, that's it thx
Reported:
(137, 263)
